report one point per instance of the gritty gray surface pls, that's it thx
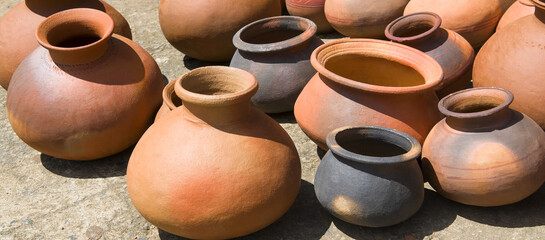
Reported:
(46, 198)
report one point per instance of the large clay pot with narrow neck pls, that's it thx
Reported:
(216, 167)
(18, 29)
(512, 59)
(484, 153)
(423, 31)
(518, 10)
(85, 93)
(170, 101)
(475, 20)
(369, 82)
(313, 10)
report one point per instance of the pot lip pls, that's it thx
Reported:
(307, 33)
(496, 91)
(538, 3)
(387, 50)
(168, 92)
(526, 3)
(412, 154)
(436, 25)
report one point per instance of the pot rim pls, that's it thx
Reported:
(168, 93)
(305, 25)
(526, 3)
(498, 92)
(435, 18)
(539, 3)
(387, 134)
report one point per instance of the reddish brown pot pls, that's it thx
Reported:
(215, 168)
(518, 10)
(369, 82)
(313, 10)
(363, 18)
(86, 93)
(484, 153)
(170, 101)
(208, 26)
(18, 29)
(455, 55)
(512, 59)
(475, 20)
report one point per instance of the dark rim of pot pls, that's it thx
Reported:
(307, 27)
(453, 99)
(539, 3)
(430, 18)
(400, 139)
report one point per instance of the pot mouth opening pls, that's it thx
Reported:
(170, 98)
(475, 102)
(413, 26)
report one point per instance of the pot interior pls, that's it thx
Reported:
(77, 41)
(370, 145)
(413, 29)
(220, 82)
(473, 104)
(270, 36)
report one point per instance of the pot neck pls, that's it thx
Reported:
(415, 29)
(539, 9)
(76, 36)
(171, 100)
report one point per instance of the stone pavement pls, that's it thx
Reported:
(47, 198)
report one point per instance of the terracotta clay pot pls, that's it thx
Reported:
(423, 31)
(85, 94)
(383, 163)
(369, 82)
(18, 29)
(484, 153)
(170, 101)
(277, 51)
(313, 10)
(208, 26)
(512, 58)
(475, 20)
(518, 10)
(505, 4)
(223, 169)
(363, 18)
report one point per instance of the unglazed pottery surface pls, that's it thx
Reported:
(518, 10)
(313, 10)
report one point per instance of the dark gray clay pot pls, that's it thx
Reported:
(370, 176)
(277, 51)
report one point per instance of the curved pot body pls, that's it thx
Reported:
(208, 26)
(519, 9)
(475, 20)
(484, 153)
(18, 29)
(313, 10)
(170, 101)
(369, 82)
(223, 169)
(511, 60)
(277, 51)
(363, 18)
(383, 163)
(85, 94)
(455, 55)
(505, 4)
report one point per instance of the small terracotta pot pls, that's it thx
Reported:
(519, 9)
(85, 93)
(170, 101)
(383, 163)
(455, 55)
(369, 82)
(18, 29)
(484, 153)
(277, 51)
(313, 10)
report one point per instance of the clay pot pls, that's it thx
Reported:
(475, 20)
(512, 58)
(85, 94)
(313, 10)
(18, 29)
(484, 153)
(518, 10)
(214, 168)
(369, 82)
(363, 18)
(277, 51)
(170, 101)
(505, 4)
(383, 163)
(208, 26)
(423, 31)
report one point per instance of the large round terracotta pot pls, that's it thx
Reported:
(518, 10)
(363, 18)
(214, 168)
(475, 20)
(204, 29)
(86, 93)
(277, 51)
(170, 101)
(484, 153)
(423, 31)
(370, 176)
(512, 58)
(313, 10)
(18, 29)
(369, 82)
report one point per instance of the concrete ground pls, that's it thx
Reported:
(47, 198)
